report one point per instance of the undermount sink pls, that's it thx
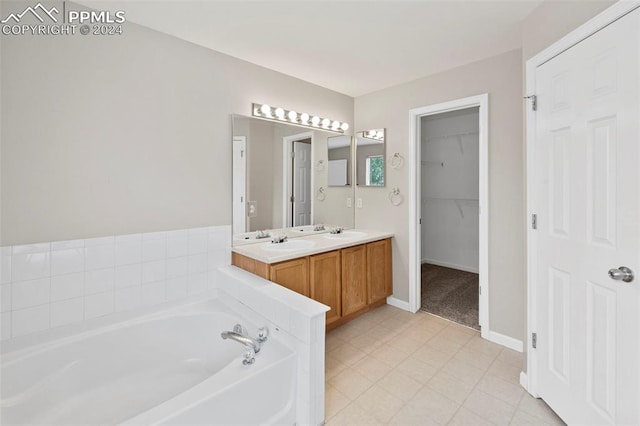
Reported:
(289, 245)
(347, 235)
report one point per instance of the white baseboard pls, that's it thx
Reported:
(524, 380)
(503, 340)
(397, 303)
(451, 265)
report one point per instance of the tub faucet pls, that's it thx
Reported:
(240, 335)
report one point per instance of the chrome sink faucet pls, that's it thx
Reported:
(278, 239)
(262, 234)
(336, 230)
(252, 346)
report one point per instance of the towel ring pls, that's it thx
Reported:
(396, 161)
(321, 195)
(395, 197)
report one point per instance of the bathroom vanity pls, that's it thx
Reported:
(350, 272)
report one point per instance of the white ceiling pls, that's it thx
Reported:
(352, 47)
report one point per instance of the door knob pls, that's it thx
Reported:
(621, 274)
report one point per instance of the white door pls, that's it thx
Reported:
(239, 165)
(587, 199)
(301, 183)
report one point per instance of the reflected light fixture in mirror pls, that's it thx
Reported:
(370, 157)
(268, 112)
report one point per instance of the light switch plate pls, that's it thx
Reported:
(349, 202)
(359, 203)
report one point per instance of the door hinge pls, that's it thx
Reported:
(242, 154)
(480, 290)
(292, 199)
(420, 221)
(293, 154)
(534, 340)
(534, 221)
(534, 101)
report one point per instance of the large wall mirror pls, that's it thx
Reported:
(370, 157)
(281, 179)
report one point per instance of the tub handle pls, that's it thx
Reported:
(238, 328)
(249, 356)
(263, 334)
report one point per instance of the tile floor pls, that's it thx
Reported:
(392, 367)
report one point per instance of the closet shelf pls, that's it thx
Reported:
(458, 136)
(458, 202)
(455, 135)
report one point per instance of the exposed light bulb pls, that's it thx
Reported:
(380, 134)
(265, 109)
(304, 117)
(345, 126)
(280, 113)
(326, 122)
(292, 115)
(315, 120)
(335, 125)
(371, 133)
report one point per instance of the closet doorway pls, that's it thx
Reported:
(450, 220)
(449, 232)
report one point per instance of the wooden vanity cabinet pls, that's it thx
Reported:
(325, 282)
(292, 274)
(251, 265)
(354, 279)
(350, 280)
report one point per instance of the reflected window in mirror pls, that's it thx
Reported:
(339, 160)
(370, 157)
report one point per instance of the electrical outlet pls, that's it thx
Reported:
(349, 202)
(359, 203)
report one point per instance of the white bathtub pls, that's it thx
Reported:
(169, 367)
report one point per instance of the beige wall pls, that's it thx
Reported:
(554, 19)
(114, 135)
(500, 76)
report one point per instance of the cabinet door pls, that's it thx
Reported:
(354, 279)
(251, 265)
(379, 277)
(292, 274)
(324, 282)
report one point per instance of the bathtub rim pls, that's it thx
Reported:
(22, 347)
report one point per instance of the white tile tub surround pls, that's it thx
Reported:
(53, 284)
(300, 318)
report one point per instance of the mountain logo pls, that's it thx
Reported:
(38, 11)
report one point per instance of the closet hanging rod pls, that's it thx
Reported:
(432, 163)
(451, 199)
(455, 135)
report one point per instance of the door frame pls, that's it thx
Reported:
(239, 181)
(529, 379)
(287, 148)
(482, 102)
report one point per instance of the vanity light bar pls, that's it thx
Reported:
(376, 134)
(301, 119)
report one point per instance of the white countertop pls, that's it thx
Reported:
(321, 243)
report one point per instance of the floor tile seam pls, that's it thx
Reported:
(486, 373)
